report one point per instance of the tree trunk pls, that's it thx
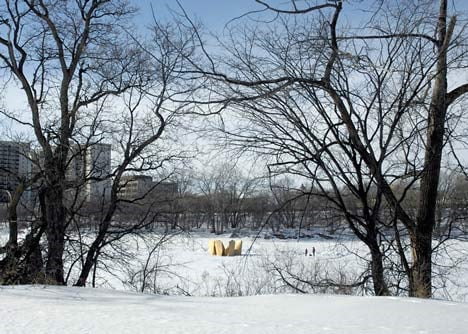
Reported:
(22, 264)
(90, 261)
(55, 217)
(95, 248)
(33, 262)
(377, 271)
(421, 271)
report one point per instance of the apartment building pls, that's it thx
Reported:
(135, 187)
(14, 164)
(98, 169)
(90, 168)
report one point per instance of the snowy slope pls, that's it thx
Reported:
(37, 309)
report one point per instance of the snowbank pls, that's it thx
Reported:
(37, 309)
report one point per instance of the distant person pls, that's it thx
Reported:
(313, 251)
(306, 251)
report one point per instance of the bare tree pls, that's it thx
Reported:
(148, 115)
(78, 64)
(65, 56)
(224, 190)
(356, 106)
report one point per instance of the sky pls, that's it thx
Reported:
(213, 13)
(216, 13)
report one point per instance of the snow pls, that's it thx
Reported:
(186, 267)
(39, 309)
(183, 265)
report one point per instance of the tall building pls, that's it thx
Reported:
(14, 164)
(90, 167)
(98, 170)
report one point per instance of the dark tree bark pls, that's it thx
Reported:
(421, 239)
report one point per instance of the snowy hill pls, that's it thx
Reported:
(38, 309)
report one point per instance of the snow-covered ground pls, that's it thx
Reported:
(184, 267)
(38, 309)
